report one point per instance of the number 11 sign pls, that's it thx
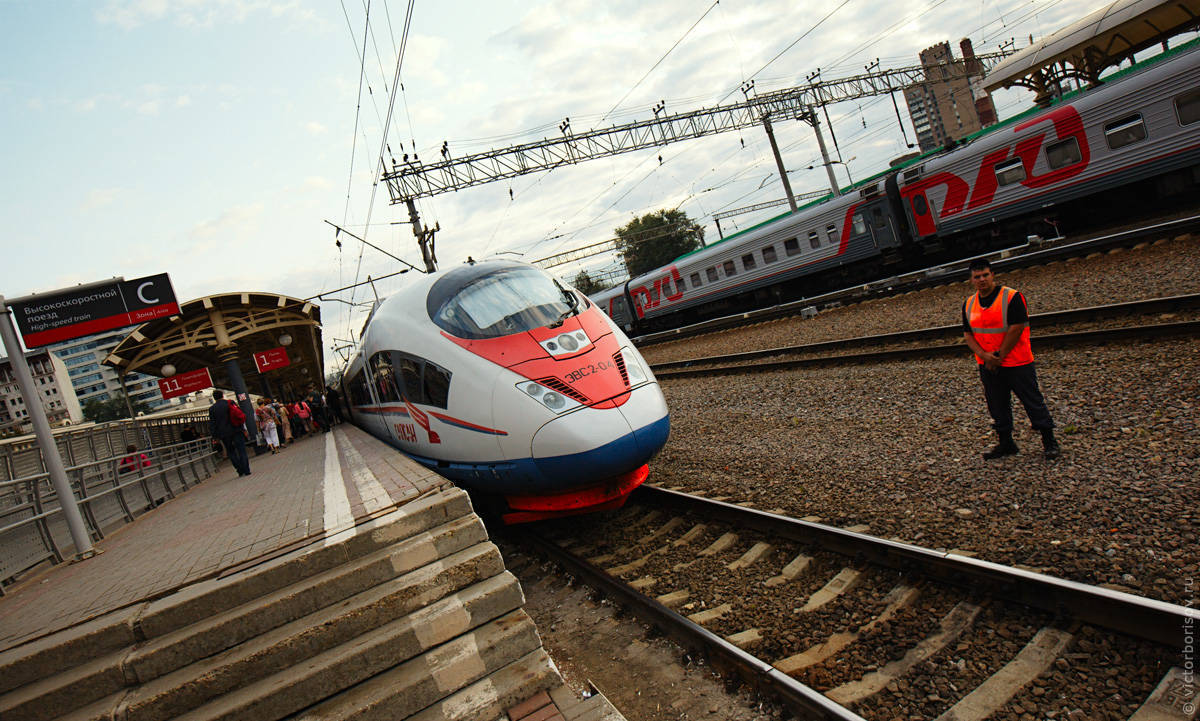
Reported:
(184, 383)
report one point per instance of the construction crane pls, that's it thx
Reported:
(413, 179)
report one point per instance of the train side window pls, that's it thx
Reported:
(748, 261)
(791, 246)
(831, 234)
(729, 268)
(385, 378)
(437, 385)
(1010, 171)
(360, 395)
(1126, 131)
(769, 255)
(860, 224)
(814, 240)
(410, 375)
(1063, 153)
(878, 218)
(1187, 107)
(712, 275)
(695, 280)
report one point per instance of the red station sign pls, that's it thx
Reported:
(184, 383)
(269, 360)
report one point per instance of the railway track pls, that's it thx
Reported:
(1026, 255)
(924, 343)
(835, 623)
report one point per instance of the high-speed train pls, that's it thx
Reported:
(511, 383)
(1102, 155)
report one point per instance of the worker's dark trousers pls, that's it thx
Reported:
(998, 386)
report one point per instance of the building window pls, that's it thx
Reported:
(1125, 131)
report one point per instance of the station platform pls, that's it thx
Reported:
(339, 580)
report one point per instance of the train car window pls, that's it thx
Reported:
(831, 234)
(695, 280)
(729, 268)
(1010, 171)
(791, 246)
(359, 394)
(860, 224)
(1187, 107)
(748, 261)
(1125, 131)
(913, 173)
(385, 378)
(668, 287)
(410, 375)
(437, 385)
(878, 218)
(653, 293)
(814, 240)
(769, 254)
(712, 275)
(1063, 153)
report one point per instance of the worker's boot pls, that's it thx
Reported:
(1050, 445)
(1005, 447)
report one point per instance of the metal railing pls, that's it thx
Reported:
(110, 491)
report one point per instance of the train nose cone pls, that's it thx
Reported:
(584, 446)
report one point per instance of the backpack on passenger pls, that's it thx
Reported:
(236, 417)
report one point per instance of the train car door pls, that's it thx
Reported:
(878, 217)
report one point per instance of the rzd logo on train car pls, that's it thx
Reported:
(668, 288)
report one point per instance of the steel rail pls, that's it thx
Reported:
(1059, 340)
(721, 653)
(1003, 259)
(1073, 315)
(1137, 616)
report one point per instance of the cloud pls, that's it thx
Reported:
(183, 101)
(314, 128)
(315, 182)
(99, 198)
(132, 14)
(150, 107)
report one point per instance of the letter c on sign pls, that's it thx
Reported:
(143, 298)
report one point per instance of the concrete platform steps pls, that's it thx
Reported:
(411, 614)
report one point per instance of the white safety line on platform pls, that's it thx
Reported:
(372, 493)
(337, 503)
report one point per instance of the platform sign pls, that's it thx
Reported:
(269, 360)
(75, 312)
(184, 383)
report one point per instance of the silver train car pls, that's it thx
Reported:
(505, 380)
(1141, 126)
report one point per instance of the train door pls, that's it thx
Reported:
(879, 219)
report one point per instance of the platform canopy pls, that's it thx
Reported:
(211, 331)
(1087, 48)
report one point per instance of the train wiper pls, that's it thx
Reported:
(572, 301)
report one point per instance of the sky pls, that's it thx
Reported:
(214, 140)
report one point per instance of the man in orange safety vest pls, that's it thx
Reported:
(996, 328)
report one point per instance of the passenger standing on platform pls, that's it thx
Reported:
(334, 400)
(268, 424)
(285, 423)
(227, 423)
(316, 401)
(996, 328)
(131, 462)
(304, 413)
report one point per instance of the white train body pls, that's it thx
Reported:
(501, 378)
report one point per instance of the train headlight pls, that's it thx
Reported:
(553, 400)
(633, 366)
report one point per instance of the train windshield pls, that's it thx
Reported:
(498, 301)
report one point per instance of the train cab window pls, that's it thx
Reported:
(1063, 153)
(1125, 131)
(791, 246)
(814, 240)
(769, 255)
(436, 382)
(497, 298)
(729, 268)
(1010, 171)
(712, 275)
(410, 374)
(1187, 107)
(831, 234)
(695, 280)
(860, 224)
(384, 374)
(748, 261)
